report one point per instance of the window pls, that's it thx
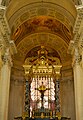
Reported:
(49, 94)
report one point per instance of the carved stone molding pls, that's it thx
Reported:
(78, 19)
(77, 57)
(2, 47)
(76, 45)
(5, 31)
(6, 58)
(5, 2)
(7, 47)
(71, 47)
(81, 41)
(77, 27)
(4, 26)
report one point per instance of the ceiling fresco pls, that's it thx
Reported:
(42, 24)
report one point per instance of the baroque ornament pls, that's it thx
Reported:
(6, 58)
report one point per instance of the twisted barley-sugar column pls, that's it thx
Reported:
(57, 91)
(57, 95)
(27, 97)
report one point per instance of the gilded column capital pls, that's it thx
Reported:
(57, 69)
(28, 78)
(58, 76)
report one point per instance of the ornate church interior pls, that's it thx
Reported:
(41, 59)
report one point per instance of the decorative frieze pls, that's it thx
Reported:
(77, 27)
(76, 45)
(5, 31)
(4, 26)
(7, 46)
(78, 19)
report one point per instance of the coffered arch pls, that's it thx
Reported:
(30, 17)
(49, 41)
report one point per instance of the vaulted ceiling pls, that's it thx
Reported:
(37, 23)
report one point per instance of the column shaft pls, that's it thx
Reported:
(27, 98)
(78, 85)
(4, 93)
(5, 84)
(57, 96)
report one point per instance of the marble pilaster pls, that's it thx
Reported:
(7, 47)
(5, 85)
(78, 83)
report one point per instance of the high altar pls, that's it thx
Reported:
(42, 88)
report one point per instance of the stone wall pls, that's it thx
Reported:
(66, 89)
(67, 94)
(16, 99)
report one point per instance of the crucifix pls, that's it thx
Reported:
(42, 90)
